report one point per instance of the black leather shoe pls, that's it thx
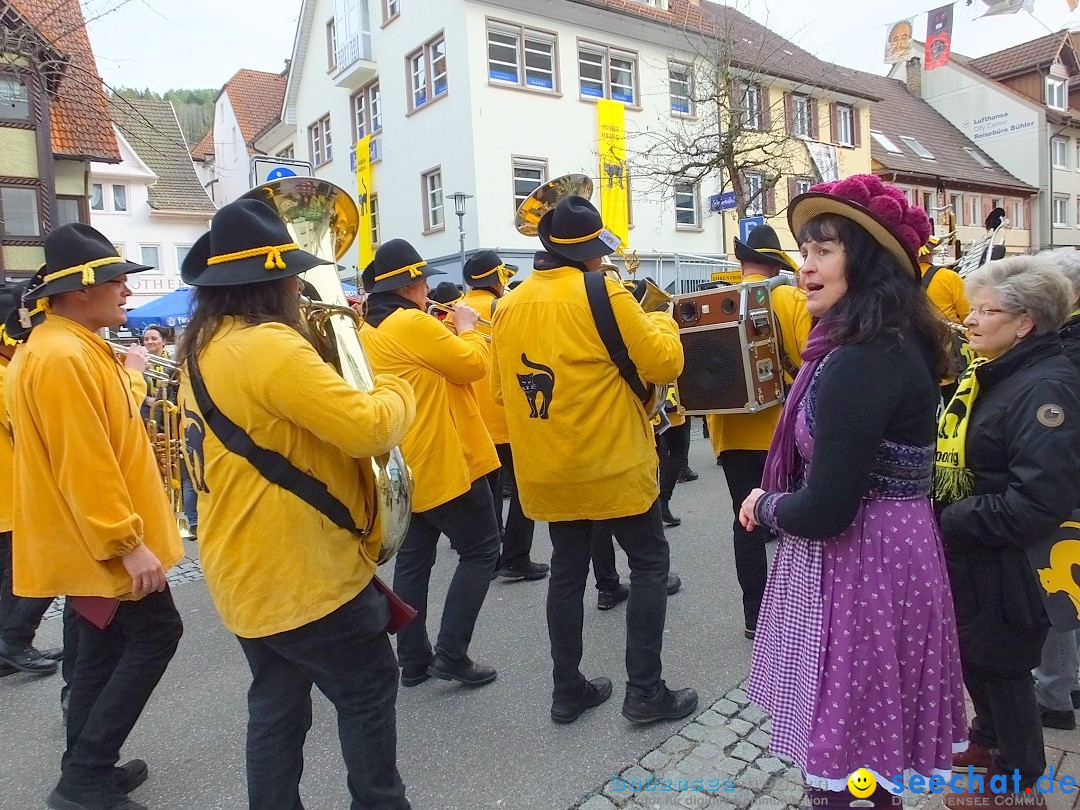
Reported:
(665, 705)
(686, 475)
(52, 653)
(593, 693)
(1076, 699)
(97, 798)
(528, 570)
(606, 600)
(1053, 718)
(414, 677)
(130, 775)
(465, 671)
(673, 584)
(749, 632)
(26, 659)
(7, 669)
(668, 518)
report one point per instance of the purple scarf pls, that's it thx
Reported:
(780, 463)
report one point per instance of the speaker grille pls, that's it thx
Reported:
(713, 373)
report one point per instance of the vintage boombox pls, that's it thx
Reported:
(732, 358)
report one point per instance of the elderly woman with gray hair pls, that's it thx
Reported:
(1056, 686)
(1007, 473)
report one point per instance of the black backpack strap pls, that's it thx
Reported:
(606, 325)
(928, 276)
(271, 465)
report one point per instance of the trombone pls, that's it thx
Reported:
(169, 368)
(449, 309)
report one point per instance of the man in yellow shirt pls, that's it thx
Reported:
(449, 452)
(19, 616)
(584, 454)
(296, 588)
(487, 276)
(90, 516)
(741, 440)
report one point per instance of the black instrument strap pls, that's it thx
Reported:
(608, 327)
(929, 275)
(273, 466)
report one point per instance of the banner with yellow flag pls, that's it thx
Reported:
(365, 189)
(614, 175)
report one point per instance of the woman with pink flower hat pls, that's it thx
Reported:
(856, 654)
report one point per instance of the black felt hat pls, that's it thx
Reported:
(77, 257)
(396, 265)
(247, 243)
(485, 269)
(575, 230)
(762, 246)
(446, 292)
(20, 316)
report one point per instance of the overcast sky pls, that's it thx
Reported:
(163, 44)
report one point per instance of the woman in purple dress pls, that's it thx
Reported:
(856, 654)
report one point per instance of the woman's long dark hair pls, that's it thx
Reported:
(882, 297)
(268, 302)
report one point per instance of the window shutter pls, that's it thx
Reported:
(856, 130)
(769, 204)
(792, 189)
(834, 123)
(813, 118)
(735, 96)
(766, 108)
(789, 114)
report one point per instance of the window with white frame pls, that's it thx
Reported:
(680, 86)
(917, 148)
(15, 98)
(150, 255)
(801, 116)
(687, 210)
(1078, 212)
(181, 254)
(802, 185)
(975, 214)
(1059, 153)
(1055, 93)
(391, 9)
(755, 194)
(287, 152)
(956, 201)
(119, 198)
(373, 207)
(331, 45)
(978, 158)
(427, 73)
(431, 183)
(522, 57)
(97, 197)
(885, 142)
(845, 125)
(928, 204)
(529, 174)
(366, 111)
(319, 141)
(109, 198)
(607, 73)
(1060, 211)
(997, 202)
(1077, 164)
(1018, 214)
(753, 116)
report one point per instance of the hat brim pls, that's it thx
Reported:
(73, 283)
(196, 272)
(594, 248)
(813, 204)
(398, 281)
(745, 253)
(14, 329)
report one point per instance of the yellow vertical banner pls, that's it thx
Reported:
(364, 191)
(614, 175)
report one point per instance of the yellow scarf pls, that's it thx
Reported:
(952, 478)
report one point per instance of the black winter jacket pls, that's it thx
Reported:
(1026, 462)
(1070, 339)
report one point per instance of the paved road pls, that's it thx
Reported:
(490, 748)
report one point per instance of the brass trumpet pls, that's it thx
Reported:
(169, 371)
(448, 308)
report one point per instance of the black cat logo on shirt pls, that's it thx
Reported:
(540, 383)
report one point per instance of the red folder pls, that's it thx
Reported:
(98, 610)
(401, 612)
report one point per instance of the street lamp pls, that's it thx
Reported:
(459, 198)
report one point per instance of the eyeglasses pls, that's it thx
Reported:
(982, 312)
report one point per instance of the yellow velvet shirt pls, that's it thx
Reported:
(583, 445)
(946, 293)
(754, 431)
(491, 411)
(87, 486)
(7, 456)
(448, 447)
(272, 562)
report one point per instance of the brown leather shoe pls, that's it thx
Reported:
(978, 757)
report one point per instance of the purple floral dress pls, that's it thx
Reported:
(856, 655)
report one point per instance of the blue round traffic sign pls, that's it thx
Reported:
(279, 172)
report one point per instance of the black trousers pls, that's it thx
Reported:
(347, 654)
(19, 615)
(469, 521)
(743, 470)
(602, 551)
(642, 538)
(1007, 718)
(517, 533)
(673, 448)
(116, 671)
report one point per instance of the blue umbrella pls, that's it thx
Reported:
(169, 310)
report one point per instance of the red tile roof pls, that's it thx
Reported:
(256, 98)
(1022, 58)
(80, 116)
(205, 147)
(754, 46)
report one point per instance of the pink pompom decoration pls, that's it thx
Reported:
(887, 209)
(896, 194)
(908, 238)
(916, 218)
(873, 184)
(853, 190)
(822, 188)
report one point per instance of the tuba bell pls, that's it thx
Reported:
(322, 219)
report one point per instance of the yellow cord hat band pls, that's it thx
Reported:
(87, 270)
(575, 240)
(271, 252)
(503, 271)
(413, 270)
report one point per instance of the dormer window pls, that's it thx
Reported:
(1055, 93)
